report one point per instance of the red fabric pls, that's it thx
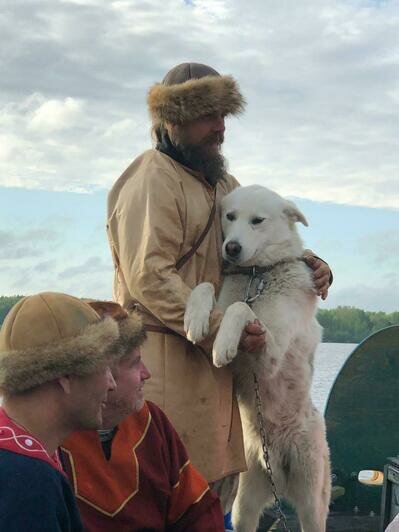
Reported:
(147, 484)
(18, 440)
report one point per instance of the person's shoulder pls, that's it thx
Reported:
(151, 169)
(32, 488)
(156, 412)
(31, 476)
(23, 467)
(159, 418)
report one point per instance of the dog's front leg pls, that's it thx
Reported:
(228, 337)
(199, 306)
(285, 321)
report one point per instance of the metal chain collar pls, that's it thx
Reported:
(263, 437)
(248, 299)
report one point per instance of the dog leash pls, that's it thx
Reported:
(249, 300)
(262, 433)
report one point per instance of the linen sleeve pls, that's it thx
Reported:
(148, 232)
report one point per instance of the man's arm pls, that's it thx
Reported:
(147, 232)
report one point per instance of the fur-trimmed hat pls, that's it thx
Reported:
(192, 90)
(49, 335)
(131, 330)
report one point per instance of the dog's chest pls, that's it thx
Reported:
(238, 287)
(282, 280)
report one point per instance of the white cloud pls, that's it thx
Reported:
(55, 115)
(320, 79)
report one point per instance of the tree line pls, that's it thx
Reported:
(6, 302)
(352, 325)
(341, 324)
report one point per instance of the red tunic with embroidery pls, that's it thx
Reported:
(148, 483)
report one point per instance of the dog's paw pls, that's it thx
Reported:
(199, 307)
(225, 348)
(196, 324)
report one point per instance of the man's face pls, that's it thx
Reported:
(207, 131)
(88, 396)
(199, 142)
(128, 397)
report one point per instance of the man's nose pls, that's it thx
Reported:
(111, 380)
(145, 373)
(218, 123)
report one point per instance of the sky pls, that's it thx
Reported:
(321, 79)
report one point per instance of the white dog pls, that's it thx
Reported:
(259, 230)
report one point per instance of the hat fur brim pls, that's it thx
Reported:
(188, 101)
(81, 355)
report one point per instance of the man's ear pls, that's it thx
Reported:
(293, 213)
(65, 383)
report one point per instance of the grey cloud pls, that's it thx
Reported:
(44, 267)
(384, 296)
(322, 87)
(25, 244)
(91, 265)
(382, 247)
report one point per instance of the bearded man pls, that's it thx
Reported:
(135, 474)
(165, 236)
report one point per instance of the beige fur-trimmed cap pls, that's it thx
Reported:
(49, 335)
(192, 90)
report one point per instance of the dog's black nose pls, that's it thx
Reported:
(233, 248)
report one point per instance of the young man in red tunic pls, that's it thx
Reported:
(134, 475)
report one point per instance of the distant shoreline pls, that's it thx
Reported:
(341, 325)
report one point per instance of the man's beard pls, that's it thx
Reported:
(201, 158)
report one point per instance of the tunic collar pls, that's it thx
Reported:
(17, 439)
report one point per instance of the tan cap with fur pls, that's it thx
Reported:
(48, 335)
(192, 90)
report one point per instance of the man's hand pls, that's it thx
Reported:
(253, 338)
(321, 275)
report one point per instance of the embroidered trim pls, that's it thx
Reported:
(95, 506)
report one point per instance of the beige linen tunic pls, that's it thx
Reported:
(157, 210)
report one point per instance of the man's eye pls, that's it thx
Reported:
(230, 216)
(257, 220)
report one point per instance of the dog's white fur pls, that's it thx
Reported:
(298, 448)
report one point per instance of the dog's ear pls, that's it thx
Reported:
(293, 213)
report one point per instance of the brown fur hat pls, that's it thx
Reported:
(192, 90)
(131, 329)
(49, 335)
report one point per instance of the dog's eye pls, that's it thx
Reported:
(230, 216)
(257, 220)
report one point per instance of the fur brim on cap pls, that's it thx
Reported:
(80, 355)
(130, 324)
(131, 335)
(188, 101)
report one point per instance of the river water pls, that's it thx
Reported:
(329, 359)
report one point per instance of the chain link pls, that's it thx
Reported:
(248, 299)
(266, 457)
(259, 411)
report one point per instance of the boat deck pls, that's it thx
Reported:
(336, 523)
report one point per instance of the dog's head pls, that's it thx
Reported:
(259, 227)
